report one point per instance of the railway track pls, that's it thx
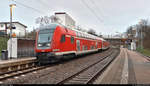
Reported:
(82, 77)
(10, 70)
(4, 76)
(13, 66)
(90, 73)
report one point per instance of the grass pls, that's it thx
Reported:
(144, 51)
(3, 44)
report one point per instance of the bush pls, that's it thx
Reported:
(144, 51)
(3, 43)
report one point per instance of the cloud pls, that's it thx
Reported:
(117, 15)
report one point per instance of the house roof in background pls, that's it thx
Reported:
(13, 22)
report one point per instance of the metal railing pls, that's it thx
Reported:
(25, 47)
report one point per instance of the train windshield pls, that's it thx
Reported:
(45, 36)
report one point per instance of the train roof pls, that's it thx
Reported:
(85, 34)
(79, 33)
(52, 26)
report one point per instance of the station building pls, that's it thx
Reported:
(19, 29)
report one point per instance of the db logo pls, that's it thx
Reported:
(43, 51)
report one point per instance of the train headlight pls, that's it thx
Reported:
(39, 45)
(48, 44)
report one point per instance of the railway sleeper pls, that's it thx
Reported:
(5, 76)
(79, 79)
(75, 82)
(16, 68)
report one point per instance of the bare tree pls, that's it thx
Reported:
(55, 19)
(78, 27)
(47, 20)
(32, 34)
(43, 20)
(142, 33)
(100, 35)
(92, 31)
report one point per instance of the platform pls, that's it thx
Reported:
(16, 60)
(16, 64)
(130, 67)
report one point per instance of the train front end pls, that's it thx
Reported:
(44, 44)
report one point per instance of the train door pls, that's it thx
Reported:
(102, 45)
(78, 45)
(96, 45)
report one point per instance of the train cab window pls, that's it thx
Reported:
(63, 38)
(72, 39)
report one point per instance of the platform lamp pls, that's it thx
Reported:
(141, 22)
(11, 7)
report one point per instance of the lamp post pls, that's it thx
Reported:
(141, 22)
(11, 7)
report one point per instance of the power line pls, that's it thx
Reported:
(28, 7)
(44, 4)
(101, 8)
(96, 7)
(99, 19)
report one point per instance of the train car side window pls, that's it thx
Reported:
(96, 44)
(83, 48)
(77, 34)
(72, 39)
(62, 38)
(78, 45)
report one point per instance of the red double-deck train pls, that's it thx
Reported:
(55, 41)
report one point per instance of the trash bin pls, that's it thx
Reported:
(4, 54)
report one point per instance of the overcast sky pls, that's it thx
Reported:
(104, 16)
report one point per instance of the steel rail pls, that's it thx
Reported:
(85, 69)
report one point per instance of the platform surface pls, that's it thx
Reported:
(4, 62)
(129, 67)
